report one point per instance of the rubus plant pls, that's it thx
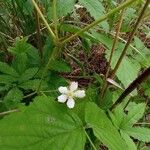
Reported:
(101, 115)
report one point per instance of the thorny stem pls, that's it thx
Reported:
(92, 144)
(104, 17)
(44, 20)
(131, 87)
(112, 52)
(130, 39)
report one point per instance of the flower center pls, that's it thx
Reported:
(70, 94)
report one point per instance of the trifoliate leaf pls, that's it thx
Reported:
(45, 124)
(103, 128)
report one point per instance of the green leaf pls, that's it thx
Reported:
(20, 63)
(74, 29)
(60, 66)
(103, 128)
(129, 141)
(129, 68)
(33, 56)
(140, 133)
(127, 71)
(146, 87)
(7, 79)
(98, 78)
(129, 15)
(63, 8)
(92, 94)
(54, 82)
(134, 115)
(28, 7)
(20, 46)
(33, 85)
(147, 91)
(43, 125)
(145, 53)
(5, 68)
(96, 10)
(13, 97)
(107, 100)
(117, 116)
(23, 51)
(28, 74)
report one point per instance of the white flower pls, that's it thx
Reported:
(69, 93)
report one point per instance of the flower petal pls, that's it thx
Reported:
(70, 103)
(79, 93)
(73, 86)
(63, 89)
(62, 98)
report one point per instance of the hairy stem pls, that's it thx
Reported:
(38, 35)
(29, 95)
(52, 57)
(44, 20)
(132, 86)
(112, 52)
(55, 17)
(8, 112)
(104, 17)
(130, 39)
(92, 144)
